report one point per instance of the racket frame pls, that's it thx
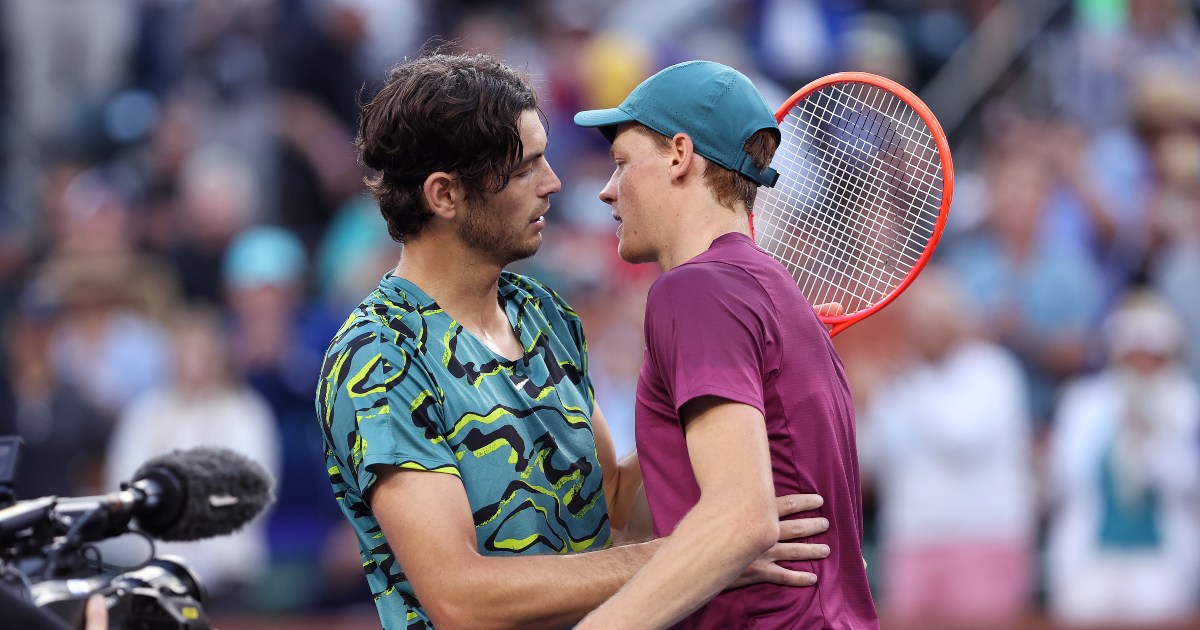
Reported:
(839, 323)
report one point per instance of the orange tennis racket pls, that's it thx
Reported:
(864, 189)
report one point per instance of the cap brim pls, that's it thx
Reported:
(606, 120)
(602, 117)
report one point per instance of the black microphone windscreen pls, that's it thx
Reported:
(223, 491)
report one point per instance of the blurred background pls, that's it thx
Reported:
(183, 228)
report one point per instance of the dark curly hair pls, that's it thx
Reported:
(439, 112)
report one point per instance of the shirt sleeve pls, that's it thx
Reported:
(390, 411)
(708, 329)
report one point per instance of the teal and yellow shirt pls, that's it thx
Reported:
(404, 385)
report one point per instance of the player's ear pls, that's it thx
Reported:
(683, 156)
(444, 194)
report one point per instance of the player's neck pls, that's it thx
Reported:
(463, 284)
(701, 223)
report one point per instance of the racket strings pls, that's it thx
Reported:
(858, 197)
(836, 249)
(848, 181)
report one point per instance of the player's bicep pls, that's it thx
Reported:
(428, 523)
(730, 453)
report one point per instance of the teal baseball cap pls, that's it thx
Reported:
(715, 105)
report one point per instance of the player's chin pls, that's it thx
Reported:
(631, 254)
(527, 249)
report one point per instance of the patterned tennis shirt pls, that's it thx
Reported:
(404, 385)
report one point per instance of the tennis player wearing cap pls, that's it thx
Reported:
(741, 396)
(463, 441)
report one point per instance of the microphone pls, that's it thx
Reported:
(222, 490)
(184, 495)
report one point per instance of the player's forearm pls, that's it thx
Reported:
(624, 491)
(707, 551)
(535, 591)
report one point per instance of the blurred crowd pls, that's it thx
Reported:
(183, 227)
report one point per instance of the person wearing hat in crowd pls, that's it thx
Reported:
(741, 395)
(1123, 537)
(462, 439)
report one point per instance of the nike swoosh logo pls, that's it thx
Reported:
(521, 383)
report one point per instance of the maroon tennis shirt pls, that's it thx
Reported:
(732, 323)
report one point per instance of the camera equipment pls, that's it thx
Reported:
(184, 495)
(10, 458)
(164, 593)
